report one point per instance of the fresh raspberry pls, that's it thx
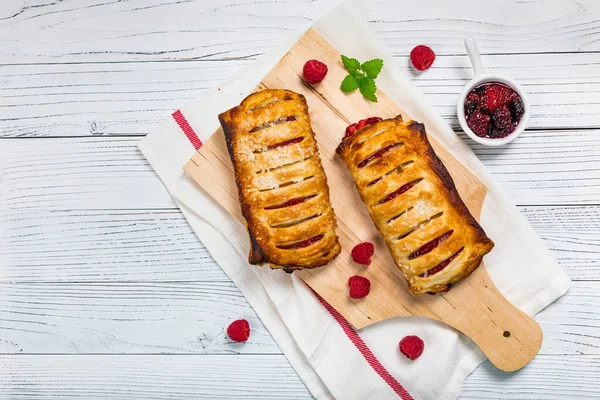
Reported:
(422, 57)
(516, 108)
(314, 71)
(352, 128)
(359, 286)
(239, 331)
(411, 346)
(471, 103)
(479, 123)
(502, 118)
(362, 252)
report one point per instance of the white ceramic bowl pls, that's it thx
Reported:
(480, 78)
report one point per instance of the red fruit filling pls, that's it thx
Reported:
(352, 128)
(291, 202)
(398, 191)
(441, 265)
(286, 143)
(479, 122)
(376, 155)
(361, 124)
(373, 120)
(429, 246)
(493, 110)
(302, 244)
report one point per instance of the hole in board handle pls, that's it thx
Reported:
(506, 334)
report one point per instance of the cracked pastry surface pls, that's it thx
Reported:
(432, 236)
(281, 184)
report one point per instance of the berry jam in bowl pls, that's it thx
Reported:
(492, 109)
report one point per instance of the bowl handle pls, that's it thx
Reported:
(473, 51)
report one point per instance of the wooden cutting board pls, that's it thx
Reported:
(507, 336)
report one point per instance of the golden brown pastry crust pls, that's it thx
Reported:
(414, 203)
(276, 160)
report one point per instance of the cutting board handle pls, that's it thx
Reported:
(506, 335)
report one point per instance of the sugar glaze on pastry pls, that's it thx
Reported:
(281, 184)
(412, 199)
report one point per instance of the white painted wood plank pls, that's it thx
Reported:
(90, 173)
(184, 318)
(132, 98)
(547, 167)
(265, 377)
(540, 168)
(101, 98)
(126, 318)
(571, 233)
(571, 325)
(35, 31)
(102, 246)
(546, 377)
(101, 377)
(159, 246)
(500, 27)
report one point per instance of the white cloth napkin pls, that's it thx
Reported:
(316, 345)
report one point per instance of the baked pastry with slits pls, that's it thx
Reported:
(412, 199)
(281, 183)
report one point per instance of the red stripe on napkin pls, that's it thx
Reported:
(348, 329)
(187, 129)
(364, 350)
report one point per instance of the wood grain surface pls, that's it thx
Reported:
(63, 61)
(548, 167)
(145, 377)
(51, 32)
(131, 98)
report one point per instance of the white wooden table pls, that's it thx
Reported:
(105, 292)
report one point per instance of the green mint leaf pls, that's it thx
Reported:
(349, 84)
(372, 67)
(351, 64)
(361, 76)
(368, 89)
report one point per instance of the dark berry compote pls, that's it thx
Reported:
(493, 110)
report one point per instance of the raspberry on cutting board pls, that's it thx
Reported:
(362, 252)
(359, 286)
(314, 71)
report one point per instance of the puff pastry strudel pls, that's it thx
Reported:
(281, 184)
(412, 199)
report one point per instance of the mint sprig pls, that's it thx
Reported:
(361, 76)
